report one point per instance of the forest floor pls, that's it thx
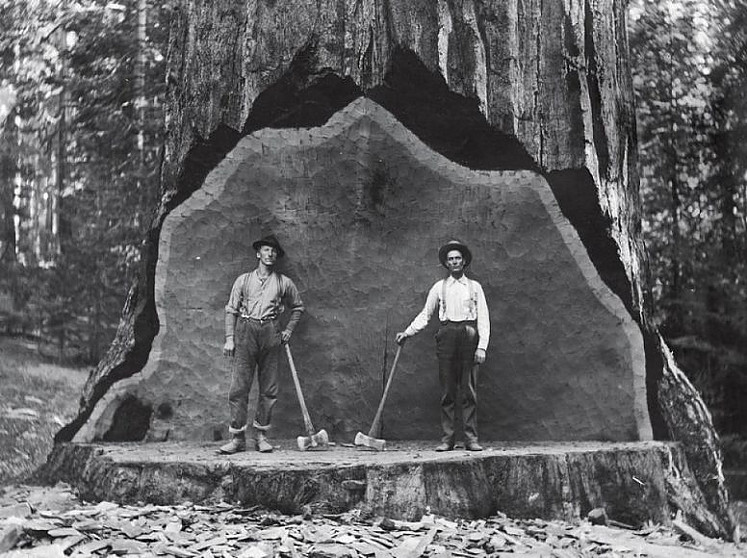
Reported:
(38, 397)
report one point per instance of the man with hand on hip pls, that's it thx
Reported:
(461, 340)
(253, 340)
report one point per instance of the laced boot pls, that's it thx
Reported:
(236, 444)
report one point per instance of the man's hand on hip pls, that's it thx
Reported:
(479, 356)
(229, 348)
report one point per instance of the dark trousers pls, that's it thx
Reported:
(456, 343)
(257, 348)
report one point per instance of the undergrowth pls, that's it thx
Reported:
(37, 398)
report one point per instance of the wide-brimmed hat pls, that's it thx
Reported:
(454, 245)
(269, 240)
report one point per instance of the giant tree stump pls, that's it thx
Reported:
(551, 481)
(537, 87)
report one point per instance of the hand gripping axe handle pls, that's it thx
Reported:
(371, 441)
(313, 440)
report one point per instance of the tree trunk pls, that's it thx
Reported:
(7, 224)
(542, 86)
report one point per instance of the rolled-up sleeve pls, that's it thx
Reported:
(234, 303)
(294, 302)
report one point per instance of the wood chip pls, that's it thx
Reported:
(92, 547)
(90, 512)
(274, 534)
(508, 538)
(39, 525)
(105, 507)
(561, 553)
(476, 537)
(363, 548)
(446, 524)
(132, 531)
(63, 532)
(288, 542)
(87, 525)
(69, 542)
(209, 543)
(331, 550)
(418, 545)
(513, 531)
(379, 541)
(180, 538)
(179, 552)
(127, 546)
(255, 551)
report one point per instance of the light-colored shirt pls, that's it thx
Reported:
(463, 300)
(252, 297)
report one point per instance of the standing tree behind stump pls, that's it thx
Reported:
(539, 86)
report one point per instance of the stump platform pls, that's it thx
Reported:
(549, 480)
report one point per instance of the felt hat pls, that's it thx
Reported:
(454, 245)
(269, 240)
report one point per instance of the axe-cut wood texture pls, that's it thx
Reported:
(361, 206)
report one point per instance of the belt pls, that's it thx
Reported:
(463, 322)
(261, 321)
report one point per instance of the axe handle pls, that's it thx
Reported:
(377, 419)
(304, 410)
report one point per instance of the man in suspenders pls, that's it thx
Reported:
(461, 341)
(253, 339)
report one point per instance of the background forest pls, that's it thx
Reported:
(82, 86)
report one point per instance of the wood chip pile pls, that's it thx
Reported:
(51, 522)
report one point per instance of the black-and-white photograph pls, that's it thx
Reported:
(373, 278)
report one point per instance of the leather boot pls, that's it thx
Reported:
(262, 444)
(236, 444)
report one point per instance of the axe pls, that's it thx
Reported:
(320, 439)
(371, 441)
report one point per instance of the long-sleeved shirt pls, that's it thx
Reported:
(263, 300)
(457, 300)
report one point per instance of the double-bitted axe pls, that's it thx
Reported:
(371, 441)
(320, 439)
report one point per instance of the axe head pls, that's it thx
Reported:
(319, 440)
(367, 441)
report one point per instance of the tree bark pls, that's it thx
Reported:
(549, 77)
(550, 480)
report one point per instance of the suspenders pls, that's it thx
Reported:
(470, 290)
(278, 281)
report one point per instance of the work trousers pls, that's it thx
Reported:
(456, 343)
(257, 347)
